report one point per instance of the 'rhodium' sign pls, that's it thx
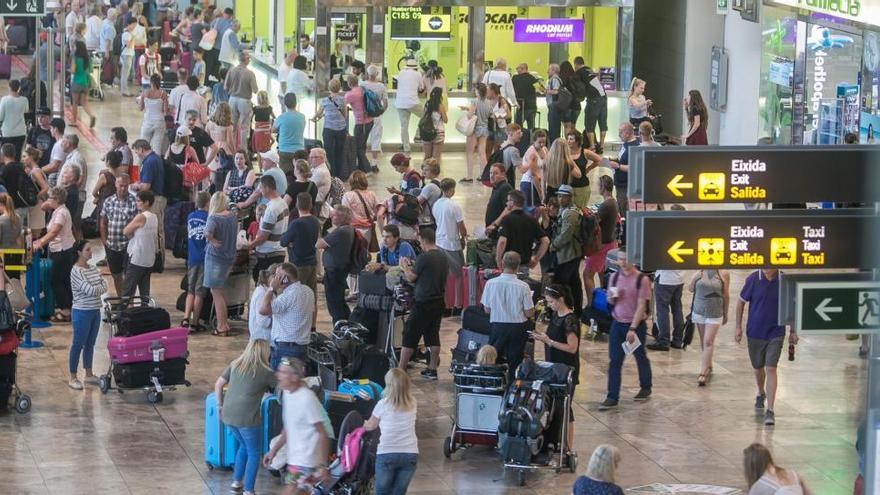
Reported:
(548, 30)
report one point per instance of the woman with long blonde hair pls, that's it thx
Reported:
(559, 168)
(764, 477)
(220, 128)
(249, 377)
(638, 103)
(221, 230)
(599, 477)
(395, 416)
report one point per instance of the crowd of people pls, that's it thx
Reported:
(308, 210)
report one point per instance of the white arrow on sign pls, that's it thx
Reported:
(11, 4)
(823, 309)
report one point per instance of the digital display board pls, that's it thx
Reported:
(420, 23)
(752, 174)
(758, 239)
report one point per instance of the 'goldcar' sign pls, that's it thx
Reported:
(865, 11)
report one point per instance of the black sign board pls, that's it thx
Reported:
(345, 32)
(758, 239)
(752, 174)
(407, 23)
(23, 8)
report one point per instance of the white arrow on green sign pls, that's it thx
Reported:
(838, 307)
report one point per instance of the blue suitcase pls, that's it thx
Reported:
(270, 412)
(220, 445)
(361, 389)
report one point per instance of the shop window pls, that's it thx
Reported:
(777, 71)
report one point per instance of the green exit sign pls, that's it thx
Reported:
(838, 307)
(722, 7)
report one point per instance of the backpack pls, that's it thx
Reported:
(173, 180)
(407, 210)
(351, 449)
(374, 106)
(407, 176)
(337, 189)
(578, 87)
(590, 233)
(563, 99)
(27, 189)
(427, 132)
(360, 253)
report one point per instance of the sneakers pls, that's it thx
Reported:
(759, 401)
(429, 374)
(677, 345)
(75, 384)
(607, 404)
(769, 418)
(91, 380)
(236, 487)
(657, 346)
(643, 394)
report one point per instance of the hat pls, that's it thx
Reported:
(564, 189)
(44, 111)
(44, 35)
(183, 131)
(399, 160)
(271, 155)
(412, 63)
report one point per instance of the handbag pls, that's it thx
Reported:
(374, 242)
(194, 172)
(687, 336)
(15, 292)
(466, 124)
(209, 39)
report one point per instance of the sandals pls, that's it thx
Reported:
(703, 379)
(217, 333)
(59, 317)
(185, 323)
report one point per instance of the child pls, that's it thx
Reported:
(195, 263)
(261, 139)
(198, 68)
(487, 355)
(255, 225)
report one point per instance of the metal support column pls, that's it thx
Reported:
(558, 51)
(799, 86)
(61, 76)
(38, 86)
(50, 70)
(322, 47)
(375, 41)
(476, 45)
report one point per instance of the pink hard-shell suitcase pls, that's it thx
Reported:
(170, 344)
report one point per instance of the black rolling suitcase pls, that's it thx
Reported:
(141, 319)
(370, 363)
(473, 334)
(18, 38)
(170, 372)
(7, 378)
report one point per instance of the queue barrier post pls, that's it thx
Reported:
(32, 276)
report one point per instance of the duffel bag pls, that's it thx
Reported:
(469, 344)
(549, 373)
(141, 319)
(362, 388)
(475, 319)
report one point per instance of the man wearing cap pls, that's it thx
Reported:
(567, 247)
(290, 126)
(241, 84)
(40, 135)
(409, 85)
(269, 164)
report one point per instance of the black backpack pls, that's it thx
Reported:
(27, 189)
(578, 87)
(406, 211)
(173, 180)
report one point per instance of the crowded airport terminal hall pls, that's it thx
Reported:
(452, 247)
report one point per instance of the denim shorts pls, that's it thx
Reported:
(481, 132)
(216, 273)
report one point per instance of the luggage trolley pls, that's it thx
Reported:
(479, 396)
(9, 367)
(112, 307)
(545, 454)
(96, 90)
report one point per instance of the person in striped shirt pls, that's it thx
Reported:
(87, 286)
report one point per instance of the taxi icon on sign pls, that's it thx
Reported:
(783, 251)
(711, 186)
(435, 23)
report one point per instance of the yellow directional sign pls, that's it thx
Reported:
(675, 185)
(676, 251)
(711, 186)
(710, 251)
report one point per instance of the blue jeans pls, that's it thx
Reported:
(394, 472)
(86, 323)
(247, 458)
(616, 355)
(334, 288)
(554, 124)
(287, 349)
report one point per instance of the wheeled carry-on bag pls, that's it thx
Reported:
(133, 375)
(140, 320)
(272, 422)
(169, 344)
(220, 445)
(364, 389)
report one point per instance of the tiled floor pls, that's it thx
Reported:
(83, 442)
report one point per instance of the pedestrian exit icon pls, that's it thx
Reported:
(869, 309)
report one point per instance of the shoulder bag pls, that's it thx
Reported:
(466, 124)
(374, 242)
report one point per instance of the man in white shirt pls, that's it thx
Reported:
(177, 91)
(451, 233)
(73, 18)
(409, 84)
(93, 31)
(75, 159)
(306, 49)
(499, 75)
(508, 300)
(321, 178)
(306, 441)
(108, 34)
(230, 46)
(289, 304)
(188, 99)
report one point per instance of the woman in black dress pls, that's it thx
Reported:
(563, 337)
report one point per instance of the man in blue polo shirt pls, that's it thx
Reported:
(290, 126)
(152, 178)
(765, 335)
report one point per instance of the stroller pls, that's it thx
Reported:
(9, 341)
(352, 474)
(165, 371)
(533, 423)
(97, 66)
(479, 395)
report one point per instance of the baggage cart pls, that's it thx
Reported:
(479, 396)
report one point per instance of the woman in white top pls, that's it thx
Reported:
(154, 104)
(143, 235)
(59, 238)
(36, 216)
(436, 108)
(766, 478)
(259, 326)
(395, 417)
(374, 140)
(127, 57)
(638, 104)
(87, 285)
(532, 181)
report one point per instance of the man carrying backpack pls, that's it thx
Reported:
(567, 246)
(337, 246)
(596, 111)
(629, 290)
(363, 124)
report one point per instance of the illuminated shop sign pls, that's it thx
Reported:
(866, 11)
(548, 30)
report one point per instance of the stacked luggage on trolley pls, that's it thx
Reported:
(146, 353)
(479, 395)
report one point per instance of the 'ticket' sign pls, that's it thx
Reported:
(548, 30)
